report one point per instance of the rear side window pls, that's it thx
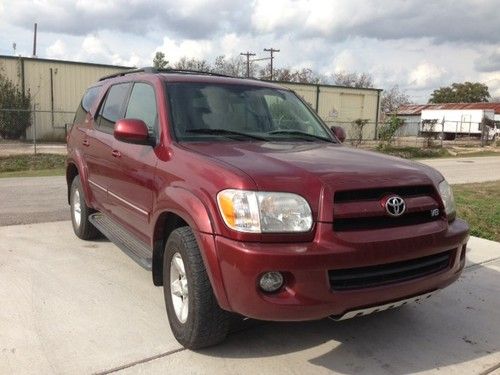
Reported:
(113, 107)
(88, 100)
(142, 106)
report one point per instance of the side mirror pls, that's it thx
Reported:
(339, 132)
(132, 131)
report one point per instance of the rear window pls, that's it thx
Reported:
(88, 100)
(113, 107)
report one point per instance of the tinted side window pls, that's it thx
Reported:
(87, 101)
(112, 109)
(142, 105)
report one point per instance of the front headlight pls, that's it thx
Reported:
(264, 212)
(448, 200)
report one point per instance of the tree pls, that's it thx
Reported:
(392, 99)
(192, 64)
(16, 116)
(358, 80)
(233, 66)
(304, 75)
(467, 92)
(159, 61)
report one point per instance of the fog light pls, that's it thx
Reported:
(271, 281)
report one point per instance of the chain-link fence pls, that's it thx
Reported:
(418, 133)
(34, 125)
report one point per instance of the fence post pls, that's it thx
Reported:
(483, 127)
(442, 132)
(34, 127)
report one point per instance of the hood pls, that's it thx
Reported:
(288, 166)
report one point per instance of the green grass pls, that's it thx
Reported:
(479, 205)
(415, 152)
(32, 165)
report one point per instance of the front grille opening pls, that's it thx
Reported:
(379, 193)
(366, 277)
(380, 222)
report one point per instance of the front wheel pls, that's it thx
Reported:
(194, 315)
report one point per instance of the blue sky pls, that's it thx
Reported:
(418, 45)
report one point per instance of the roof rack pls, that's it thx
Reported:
(168, 70)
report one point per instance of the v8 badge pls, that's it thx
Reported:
(435, 212)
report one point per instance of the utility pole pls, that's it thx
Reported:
(248, 54)
(34, 39)
(272, 51)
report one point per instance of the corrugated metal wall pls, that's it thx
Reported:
(54, 107)
(335, 105)
(338, 105)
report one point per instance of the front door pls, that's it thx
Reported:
(131, 189)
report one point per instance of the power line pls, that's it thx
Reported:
(248, 54)
(272, 51)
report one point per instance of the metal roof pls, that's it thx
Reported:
(416, 109)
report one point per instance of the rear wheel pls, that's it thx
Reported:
(194, 315)
(80, 212)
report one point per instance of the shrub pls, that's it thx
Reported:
(356, 131)
(388, 131)
(15, 110)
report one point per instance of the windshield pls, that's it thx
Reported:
(203, 111)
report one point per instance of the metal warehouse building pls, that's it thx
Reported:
(56, 88)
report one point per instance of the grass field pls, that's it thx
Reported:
(479, 205)
(32, 165)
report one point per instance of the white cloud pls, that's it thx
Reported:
(57, 50)
(133, 61)
(94, 46)
(271, 15)
(426, 75)
(175, 50)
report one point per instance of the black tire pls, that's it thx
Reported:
(206, 323)
(83, 229)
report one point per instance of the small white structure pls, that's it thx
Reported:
(450, 123)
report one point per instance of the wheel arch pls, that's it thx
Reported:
(75, 167)
(188, 210)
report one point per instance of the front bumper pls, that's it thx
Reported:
(307, 294)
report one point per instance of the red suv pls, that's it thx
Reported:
(240, 200)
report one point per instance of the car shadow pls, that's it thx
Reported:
(457, 325)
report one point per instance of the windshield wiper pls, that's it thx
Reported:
(226, 133)
(303, 135)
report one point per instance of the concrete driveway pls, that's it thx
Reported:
(467, 169)
(76, 307)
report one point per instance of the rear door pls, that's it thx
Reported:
(99, 156)
(131, 189)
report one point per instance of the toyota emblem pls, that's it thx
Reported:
(395, 206)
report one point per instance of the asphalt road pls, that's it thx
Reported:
(77, 307)
(33, 200)
(43, 199)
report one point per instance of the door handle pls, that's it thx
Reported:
(116, 153)
(86, 142)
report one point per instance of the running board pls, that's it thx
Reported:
(375, 309)
(131, 246)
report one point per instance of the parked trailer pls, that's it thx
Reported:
(452, 123)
